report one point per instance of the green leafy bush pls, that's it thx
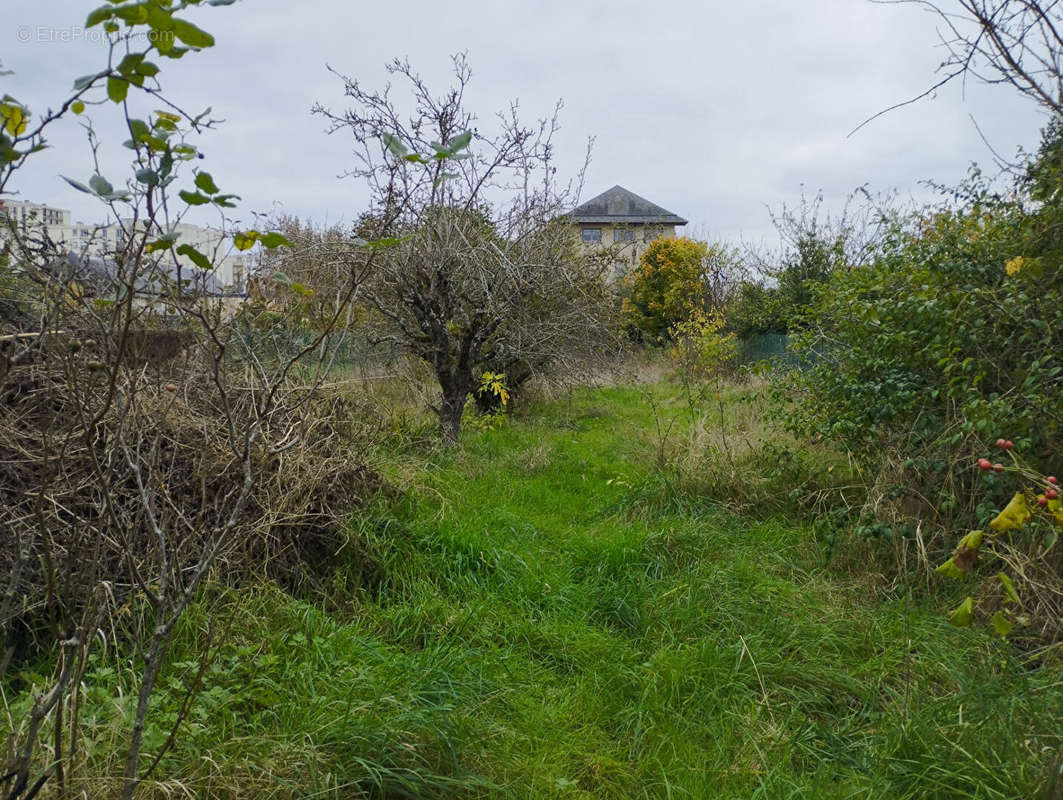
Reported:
(948, 340)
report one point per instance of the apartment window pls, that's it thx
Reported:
(592, 235)
(623, 235)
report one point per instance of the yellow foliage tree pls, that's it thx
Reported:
(700, 349)
(666, 288)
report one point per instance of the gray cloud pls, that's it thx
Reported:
(713, 110)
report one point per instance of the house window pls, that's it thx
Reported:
(592, 235)
(623, 235)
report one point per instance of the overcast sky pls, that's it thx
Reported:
(716, 111)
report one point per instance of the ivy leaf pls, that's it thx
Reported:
(205, 182)
(195, 256)
(194, 198)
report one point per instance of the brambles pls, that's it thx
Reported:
(1021, 537)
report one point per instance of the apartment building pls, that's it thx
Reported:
(102, 241)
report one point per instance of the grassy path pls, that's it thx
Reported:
(540, 628)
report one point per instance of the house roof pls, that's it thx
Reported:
(619, 206)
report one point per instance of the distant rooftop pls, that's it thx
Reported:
(619, 206)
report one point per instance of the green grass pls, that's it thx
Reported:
(546, 621)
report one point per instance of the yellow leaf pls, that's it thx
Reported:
(950, 570)
(962, 614)
(1013, 517)
(14, 118)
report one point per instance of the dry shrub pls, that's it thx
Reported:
(97, 457)
(1037, 578)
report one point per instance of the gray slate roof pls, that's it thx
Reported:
(619, 206)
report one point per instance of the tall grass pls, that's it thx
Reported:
(547, 619)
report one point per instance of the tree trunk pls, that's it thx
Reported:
(455, 392)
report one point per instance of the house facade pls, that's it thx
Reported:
(620, 219)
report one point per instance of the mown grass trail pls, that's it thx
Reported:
(543, 622)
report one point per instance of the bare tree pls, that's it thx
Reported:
(1013, 42)
(145, 437)
(482, 269)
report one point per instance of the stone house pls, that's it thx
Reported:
(620, 219)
